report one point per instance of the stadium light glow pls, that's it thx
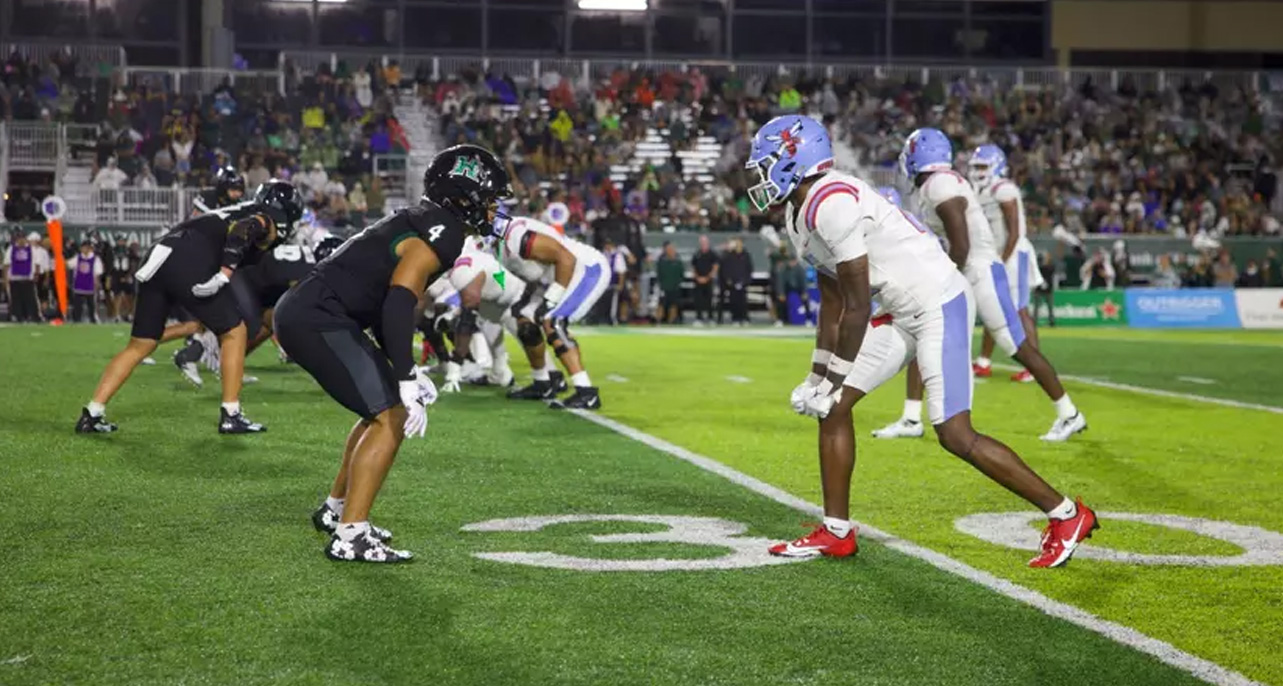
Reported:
(613, 5)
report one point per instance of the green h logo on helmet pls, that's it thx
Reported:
(467, 166)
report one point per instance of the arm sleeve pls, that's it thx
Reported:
(398, 331)
(242, 234)
(842, 221)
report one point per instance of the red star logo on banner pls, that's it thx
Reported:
(1109, 310)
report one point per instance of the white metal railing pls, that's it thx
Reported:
(141, 206)
(1002, 77)
(32, 146)
(200, 81)
(87, 55)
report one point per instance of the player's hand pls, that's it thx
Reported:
(210, 287)
(416, 418)
(822, 400)
(803, 391)
(453, 377)
(427, 389)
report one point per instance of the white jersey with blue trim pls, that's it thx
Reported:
(515, 246)
(843, 218)
(501, 289)
(943, 186)
(991, 198)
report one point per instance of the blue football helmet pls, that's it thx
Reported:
(987, 164)
(785, 152)
(926, 150)
(890, 193)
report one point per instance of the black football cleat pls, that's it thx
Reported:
(538, 390)
(326, 521)
(584, 398)
(364, 548)
(558, 381)
(90, 424)
(237, 424)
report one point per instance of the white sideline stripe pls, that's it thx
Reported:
(1158, 392)
(1165, 652)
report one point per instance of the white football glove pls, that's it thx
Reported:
(427, 389)
(416, 419)
(803, 391)
(212, 357)
(822, 399)
(212, 286)
(453, 376)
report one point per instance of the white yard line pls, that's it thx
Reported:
(1197, 379)
(1165, 652)
(1158, 392)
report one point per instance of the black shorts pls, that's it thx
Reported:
(342, 359)
(171, 288)
(248, 304)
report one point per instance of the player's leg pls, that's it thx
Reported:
(220, 316)
(352, 371)
(944, 351)
(909, 425)
(884, 351)
(149, 321)
(589, 284)
(983, 366)
(541, 387)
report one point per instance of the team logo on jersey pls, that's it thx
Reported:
(788, 139)
(467, 166)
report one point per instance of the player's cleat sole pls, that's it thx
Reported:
(364, 548)
(89, 424)
(237, 424)
(148, 361)
(900, 428)
(326, 521)
(1063, 429)
(1062, 537)
(819, 543)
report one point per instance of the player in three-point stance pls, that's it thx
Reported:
(862, 245)
(374, 282)
(190, 268)
(949, 205)
(565, 279)
(1004, 206)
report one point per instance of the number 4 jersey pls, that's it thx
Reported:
(843, 218)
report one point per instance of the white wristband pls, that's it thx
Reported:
(840, 367)
(821, 357)
(554, 294)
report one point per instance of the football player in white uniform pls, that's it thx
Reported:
(568, 278)
(486, 292)
(861, 246)
(1001, 200)
(949, 205)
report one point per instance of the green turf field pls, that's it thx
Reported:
(166, 554)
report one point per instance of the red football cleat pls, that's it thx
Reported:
(1022, 376)
(1061, 537)
(819, 542)
(984, 372)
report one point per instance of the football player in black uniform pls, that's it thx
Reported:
(375, 282)
(190, 267)
(229, 189)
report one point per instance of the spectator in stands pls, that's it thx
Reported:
(1165, 275)
(1224, 272)
(1272, 269)
(1098, 271)
(736, 267)
(1199, 274)
(110, 177)
(356, 201)
(145, 179)
(1251, 276)
(670, 271)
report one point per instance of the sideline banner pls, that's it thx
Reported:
(1087, 308)
(1260, 308)
(1206, 308)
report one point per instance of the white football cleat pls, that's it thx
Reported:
(900, 428)
(1062, 429)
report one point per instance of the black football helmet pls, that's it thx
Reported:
(327, 245)
(467, 180)
(226, 181)
(282, 203)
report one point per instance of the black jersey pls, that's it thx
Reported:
(359, 271)
(277, 271)
(229, 236)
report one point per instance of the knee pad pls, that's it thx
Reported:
(467, 322)
(559, 337)
(528, 333)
